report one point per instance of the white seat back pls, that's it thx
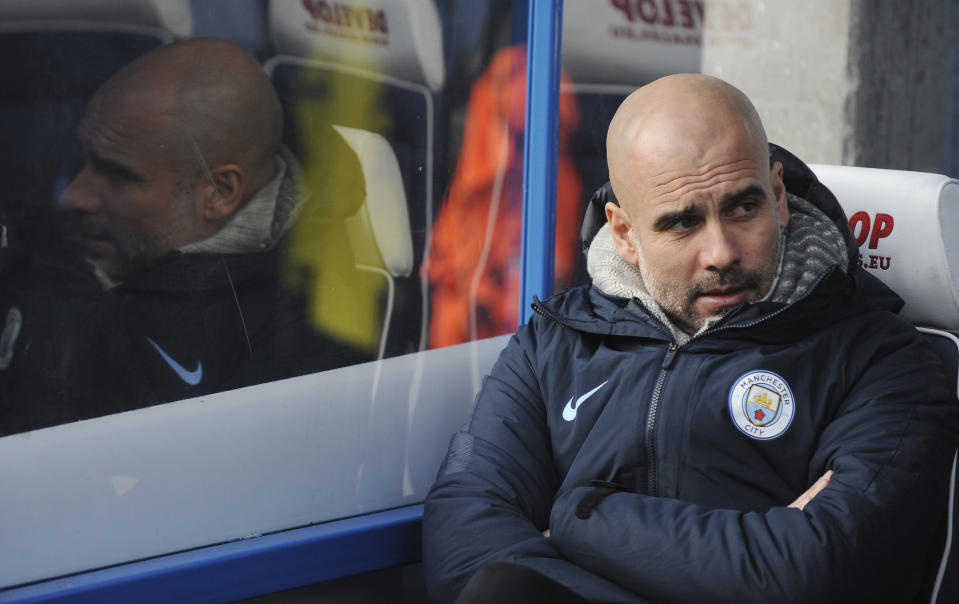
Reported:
(397, 38)
(906, 224)
(907, 227)
(376, 67)
(379, 231)
(624, 44)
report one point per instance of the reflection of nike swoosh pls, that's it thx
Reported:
(569, 411)
(190, 377)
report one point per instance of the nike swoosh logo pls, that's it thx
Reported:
(569, 411)
(190, 377)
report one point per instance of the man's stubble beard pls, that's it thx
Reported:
(677, 301)
(138, 251)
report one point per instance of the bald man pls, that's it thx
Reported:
(176, 145)
(182, 208)
(730, 412)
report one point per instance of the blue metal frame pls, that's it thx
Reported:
(540, 151)
(246, 568)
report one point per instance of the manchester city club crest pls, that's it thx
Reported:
(761, 404)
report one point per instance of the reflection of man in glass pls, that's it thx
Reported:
(175, 148)
(182, 207)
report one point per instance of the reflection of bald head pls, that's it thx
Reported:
(213, 97)
(679, 116)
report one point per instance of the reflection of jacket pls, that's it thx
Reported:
(47, 297)
(653, 467)
(200, 323)
(475, 247)
(212, 317)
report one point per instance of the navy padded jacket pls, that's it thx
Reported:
(632, 451)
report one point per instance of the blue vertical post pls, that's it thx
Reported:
(540, 151)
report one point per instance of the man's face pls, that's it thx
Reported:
(132, 202)
(707, 231)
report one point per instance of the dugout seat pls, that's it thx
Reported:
(376, 68)
(906, 224)
(379, 231)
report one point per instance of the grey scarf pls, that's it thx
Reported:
(260, 224)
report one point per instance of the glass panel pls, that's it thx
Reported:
(138, 269)
(157, 246)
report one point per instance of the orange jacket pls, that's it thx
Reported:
(474, 263)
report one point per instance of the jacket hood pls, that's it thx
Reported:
(804, 266)
(802, 182)
(265, 218)
(797, 176)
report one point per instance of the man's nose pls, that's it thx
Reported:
(81, 193)
(719, 248)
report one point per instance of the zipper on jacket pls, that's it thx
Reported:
(651, 418)
(664, 372)
(651, 477)
(539, 310)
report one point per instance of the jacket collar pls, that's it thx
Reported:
(260, 224)
(618, 303)
(809, 246)
(244, 248)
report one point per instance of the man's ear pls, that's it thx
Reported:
(622, 233)
(779, 192)
(224, 192)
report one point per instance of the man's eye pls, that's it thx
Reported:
(745, 208)
(113, 172)
(682, 224)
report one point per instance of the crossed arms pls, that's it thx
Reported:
(867, 536)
